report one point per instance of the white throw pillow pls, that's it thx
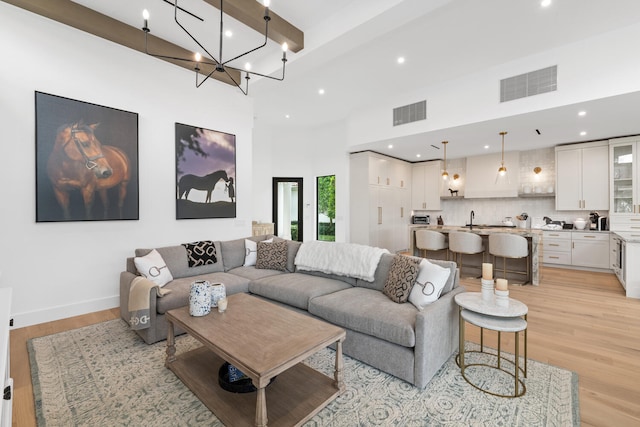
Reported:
(153, 267)
(429, 284)
(251, 251)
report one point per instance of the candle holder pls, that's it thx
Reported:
(487, 289)
(502, 298)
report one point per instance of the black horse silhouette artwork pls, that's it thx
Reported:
(204, 183)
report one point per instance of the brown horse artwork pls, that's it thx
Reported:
(80, 162)
(205, 183)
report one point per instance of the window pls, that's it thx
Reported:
(326, 208)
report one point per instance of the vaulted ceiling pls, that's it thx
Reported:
(349, 48)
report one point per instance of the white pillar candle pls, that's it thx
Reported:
(487, 271)
(222, 305)
(501, 285)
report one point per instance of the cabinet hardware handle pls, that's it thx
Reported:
(401, 212)
(554, 257)
(379, 215)
(573, 245)
(402, 183)
(589, 237)
(553, 244)
(634, 219)
(387, 181)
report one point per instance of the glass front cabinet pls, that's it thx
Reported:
(624, 209)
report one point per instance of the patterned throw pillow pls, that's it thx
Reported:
(272, 256)
(429, 285)
(201, 253)
(402, 276)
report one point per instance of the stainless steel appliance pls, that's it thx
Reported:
(597, 222)
(420, 219)
(619, 266)
(602, 223)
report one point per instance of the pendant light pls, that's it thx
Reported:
(502, 170)
(445, 174)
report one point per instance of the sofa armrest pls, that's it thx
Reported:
(436, 336)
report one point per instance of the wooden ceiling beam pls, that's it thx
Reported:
(251, 14)
(92, 22)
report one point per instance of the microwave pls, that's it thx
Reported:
(420, 219)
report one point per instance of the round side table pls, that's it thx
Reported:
(488, 315)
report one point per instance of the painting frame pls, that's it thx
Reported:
(205, 173)
(86, 161)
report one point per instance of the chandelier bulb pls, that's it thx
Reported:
(247, 66)
(198, 57)
(445, 175)
(145, 14)
(285, 47)
(267, 3)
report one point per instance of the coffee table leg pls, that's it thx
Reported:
(261, 408)
(461, 341)
(171, 345)
(338, 374)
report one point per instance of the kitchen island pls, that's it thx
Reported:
(532, 235)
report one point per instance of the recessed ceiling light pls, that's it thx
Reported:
(486, 147)
(321, 91)
(583, 133)
(401, 60)
(582, 113)
(228, 33)
(545, 3)
(286, 116)
(417, 155)
(390, 146)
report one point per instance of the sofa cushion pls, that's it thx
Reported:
(429, 285)
(382, 271)
(402, 276)
(178, 264)
(369, 312)
(203, 252)
(180, 288)
(272, 255)
(454, 279)
(233, 252)
(153, 267)
(253, 273)
(295, 289)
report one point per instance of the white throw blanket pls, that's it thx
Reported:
(342, 259)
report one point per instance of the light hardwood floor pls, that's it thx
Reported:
(577, 320)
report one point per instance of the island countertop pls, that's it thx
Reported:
(534, 235)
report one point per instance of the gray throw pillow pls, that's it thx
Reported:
(402, 276)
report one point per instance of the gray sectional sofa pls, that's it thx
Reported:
(396, 338)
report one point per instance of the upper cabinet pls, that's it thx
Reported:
(425, 186)
(482, 176)
(582, 176)
(386, 171)
(624, 209)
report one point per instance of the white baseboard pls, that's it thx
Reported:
(20, 320)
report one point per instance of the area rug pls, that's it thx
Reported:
(104, 375)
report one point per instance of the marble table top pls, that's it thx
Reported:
(473, 301)
(502, 324)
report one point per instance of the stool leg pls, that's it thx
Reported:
(482, 339)
(461, 340)
(525, 349)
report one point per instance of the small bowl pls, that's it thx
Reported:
(579, 224)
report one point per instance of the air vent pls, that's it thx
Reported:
(410, 113)
(529, 84)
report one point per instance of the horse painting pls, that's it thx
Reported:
(205, 183)
(80, 162)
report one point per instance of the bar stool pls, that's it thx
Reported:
(465, 243)
(510, 246)
(427, 240)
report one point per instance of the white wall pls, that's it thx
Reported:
(61, 269)
(305, 153)
(594, 68)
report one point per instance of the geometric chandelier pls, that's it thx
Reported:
(219, 65)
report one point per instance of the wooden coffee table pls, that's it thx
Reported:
(263, 340)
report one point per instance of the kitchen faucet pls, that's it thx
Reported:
(471, 216)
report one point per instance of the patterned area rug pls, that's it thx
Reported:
(104, 375)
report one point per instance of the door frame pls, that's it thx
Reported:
(274, 204)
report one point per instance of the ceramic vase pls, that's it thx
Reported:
(218, 291)
(487, 290)
(200, 298)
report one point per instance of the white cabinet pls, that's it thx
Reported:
(590, 249)
(425, 186)
(556, 247)
(576, 248)
(582, 176)
(624, 207)
(379, 213)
